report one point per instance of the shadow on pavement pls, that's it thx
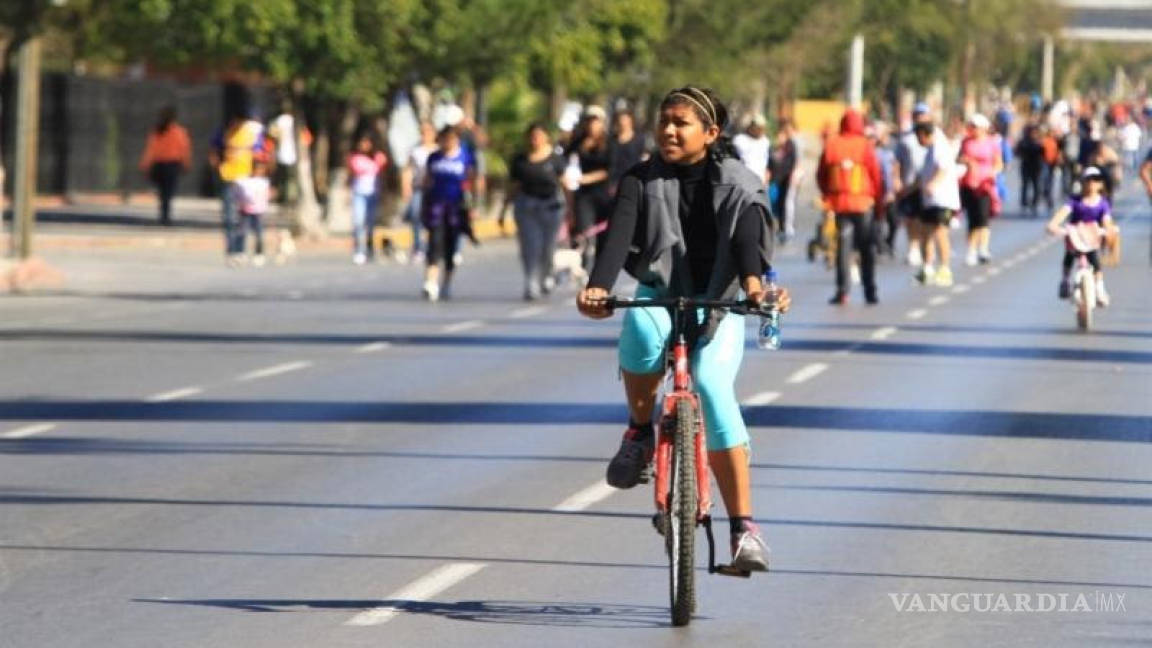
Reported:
(96, 446)
(29, 499)
(991, 329)
(1072, 354)
(581, 615)
(1036, 425)
(145, 551)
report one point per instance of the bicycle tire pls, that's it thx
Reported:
(1087, 290)
(682, 502)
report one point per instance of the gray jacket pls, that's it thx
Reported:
(661, 248)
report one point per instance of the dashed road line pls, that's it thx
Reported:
(28, 430)
(807, 373)
(586, 497)
(938, 300)
(373, 347)
(883, 333)
(274, 370)
(979, 279)
(763, 398)
(916, 313)
(960, 289)
(528, 311)
(174, 394)
(295, 294)
(418, 590)
(992, 272)
(466, 325)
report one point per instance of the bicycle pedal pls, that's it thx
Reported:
(729, 570)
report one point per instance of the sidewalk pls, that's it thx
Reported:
(107, 221)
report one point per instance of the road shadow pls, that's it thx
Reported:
(1066, 354)
(985, 423)
(533, 613)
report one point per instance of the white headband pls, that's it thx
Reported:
(710, 111)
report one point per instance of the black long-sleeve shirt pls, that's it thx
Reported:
(697, 221)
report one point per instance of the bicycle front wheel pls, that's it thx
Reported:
(681, 518)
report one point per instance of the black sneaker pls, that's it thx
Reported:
(749, 551)
(1065, 289)
(629, 465)
(871, 299)
(839, 299)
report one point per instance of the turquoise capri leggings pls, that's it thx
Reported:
(643, 347)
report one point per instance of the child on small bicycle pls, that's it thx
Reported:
(1091, 207)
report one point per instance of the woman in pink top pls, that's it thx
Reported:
(364, 167)
(980, 154)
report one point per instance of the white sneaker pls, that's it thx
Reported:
(431, 291)
(972, 259)
(359, 259)
(458, 259)
(914, 257)
(1102, 298)
(259, 261)
(401, 257)
(925, 275)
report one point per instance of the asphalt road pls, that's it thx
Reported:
(310, 456)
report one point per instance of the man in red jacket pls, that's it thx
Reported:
(850, 180)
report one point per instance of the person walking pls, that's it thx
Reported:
(782, 163)
(364, 166)
(283, 131)
(447, 203)
(254, 194)
(753, 146)
(233, 149)
(412, 186)
(936, 182)
(626, 149)
(592, 203)
(980, 154)
(167, 154)
(538, 205)
(849, 179)
(1030, 152)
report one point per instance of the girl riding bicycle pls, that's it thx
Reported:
(1091, 207)
(692, 221)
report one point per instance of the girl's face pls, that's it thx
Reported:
(449, 141)
(364, 145)
(683, 138)
(1093, 187)
(595, 127)
(538, 139)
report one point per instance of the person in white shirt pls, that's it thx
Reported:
(412, 185)
(255, 194)
(939, 188)
(1131, 137)
(283, 130)
(753, 145)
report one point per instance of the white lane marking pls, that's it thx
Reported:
(960, 289)
(992, 272)
(373, 347)
(174, 394)
(527, 311)
(916, 313)
(296, 294)
(884, 333)
(1008, 264)
(275, 370)
(763, 398)
(463, 326)
(27, 431)
(586, 497)
(846, 350)
(806, 373)
(421, 589)
(979, 280)
(938, 300)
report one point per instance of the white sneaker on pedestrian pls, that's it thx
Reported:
(359, 259)
(914, 257)
(1102, 298)
(925, 274)
(259, 261)
(972, 259)
(431, 291)
(401, 257)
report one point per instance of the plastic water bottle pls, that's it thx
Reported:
(769, 337)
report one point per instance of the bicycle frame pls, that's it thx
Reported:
(677, 363)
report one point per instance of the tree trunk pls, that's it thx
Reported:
(339, 202)
(305, 216)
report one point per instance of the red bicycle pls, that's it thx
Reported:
(683, 500)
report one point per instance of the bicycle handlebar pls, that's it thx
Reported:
(738, 306)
